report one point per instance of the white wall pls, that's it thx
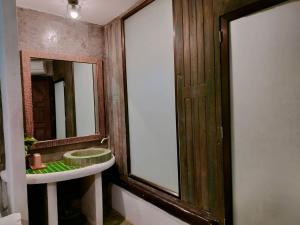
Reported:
(84, 99)
(12, 109)
(139, 212)
(265, 84)
(60, 112)
(151, 94)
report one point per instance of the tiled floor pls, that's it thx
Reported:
(114, 218)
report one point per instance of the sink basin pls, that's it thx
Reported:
(87, 157)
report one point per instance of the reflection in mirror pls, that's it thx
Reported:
(63, 100)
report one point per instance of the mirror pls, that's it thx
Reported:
(63, 97)
(63, 100)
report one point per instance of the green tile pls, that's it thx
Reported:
(52, 167)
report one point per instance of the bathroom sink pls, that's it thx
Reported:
(87, 157)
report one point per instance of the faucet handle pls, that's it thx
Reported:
(104, 139)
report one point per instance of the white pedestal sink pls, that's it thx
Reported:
(92, 204)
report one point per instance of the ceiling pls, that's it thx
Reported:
(94, 11)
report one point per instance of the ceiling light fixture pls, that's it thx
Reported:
(73, 9)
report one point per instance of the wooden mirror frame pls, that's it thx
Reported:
(27, 97)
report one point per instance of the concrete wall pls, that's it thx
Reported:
(12, 110)
(45, 32)
(138, 211)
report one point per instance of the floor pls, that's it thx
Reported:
(114, 218)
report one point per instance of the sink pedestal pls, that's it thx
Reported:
(92, 204)
(52, 204)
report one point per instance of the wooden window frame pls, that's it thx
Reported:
(148, 191)
(139, 179)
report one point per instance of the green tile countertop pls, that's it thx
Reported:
(52, 167)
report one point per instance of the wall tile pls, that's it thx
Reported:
(45, 32)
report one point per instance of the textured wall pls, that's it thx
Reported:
(11, 91)
(53, 34)
(44, 32)
(115, 93)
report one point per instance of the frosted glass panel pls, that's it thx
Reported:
(84, 99)
(151, 94)
(265, 95)
(60, 113)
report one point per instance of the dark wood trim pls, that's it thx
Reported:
(26, 56)
(136, 9)
(170, 204)
(66, 141)
(59, 80)
(227, 173)
(153, 185)
(251, 8)
(148, 183)
(101, 98)
(125, 95)
(225, 95)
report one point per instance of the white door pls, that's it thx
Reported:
(265, 97)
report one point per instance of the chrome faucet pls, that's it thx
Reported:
(106, 139)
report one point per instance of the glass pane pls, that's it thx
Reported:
(151, 94)
(63, 99)
(265, 96)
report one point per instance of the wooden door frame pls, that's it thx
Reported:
(52, 103)
(225, 94)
